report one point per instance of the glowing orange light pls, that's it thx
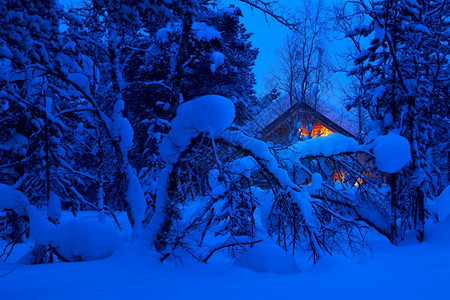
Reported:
(317, 130)
(338, 176)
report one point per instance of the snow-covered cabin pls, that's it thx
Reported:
(285, 122)
(277, 121)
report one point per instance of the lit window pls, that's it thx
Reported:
(338, 176)
(317, 130)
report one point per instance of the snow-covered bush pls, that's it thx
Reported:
(13, 207)
(77, 240)
(12, 199)
(85, 239)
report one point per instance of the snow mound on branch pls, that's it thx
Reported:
(13, 199)
(218, 188)
(267, 257)
(212, 114)
(81, 81)
(163, 34)
(303, 200)
(244, 166)
(85, 239)
(208, 114)
(392, 152)
(217, 60)
(316, 182)
(329, 145)
(200, 31)
(263, 210)
(261, 151)
(443, 204)
(203, 32)
(42, 231)
(5, 52)
(17, 144)
(121, 127)
(54, 210)
(135, 197)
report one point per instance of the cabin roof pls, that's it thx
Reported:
(343, 122)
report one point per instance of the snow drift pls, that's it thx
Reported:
(267, 257)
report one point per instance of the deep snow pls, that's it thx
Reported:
(410, 271)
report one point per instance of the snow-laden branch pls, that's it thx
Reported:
(209, 114)
(296, 194)
(118, 131)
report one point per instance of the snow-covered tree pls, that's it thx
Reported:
(32, 50)
(405, 70)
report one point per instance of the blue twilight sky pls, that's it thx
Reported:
(268, 36)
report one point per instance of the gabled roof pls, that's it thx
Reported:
(281, 109)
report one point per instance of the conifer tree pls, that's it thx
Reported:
(406, 81)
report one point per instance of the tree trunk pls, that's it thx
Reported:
(420, 204)
(394, 226)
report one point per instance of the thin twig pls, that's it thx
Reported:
(9, 272)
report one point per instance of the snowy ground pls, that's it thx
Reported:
(410, 271)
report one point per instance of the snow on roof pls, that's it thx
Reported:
(268, 115)
(280, 107)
